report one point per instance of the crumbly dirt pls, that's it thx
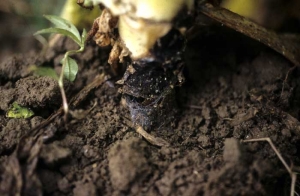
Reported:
(235, 89)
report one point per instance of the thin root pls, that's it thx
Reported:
(286, 79)
(292, 173)
(294, 180)
(275, 150)
(150, 138)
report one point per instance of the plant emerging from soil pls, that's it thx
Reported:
(69, 65)
(145, 38)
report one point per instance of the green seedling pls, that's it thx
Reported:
(69, 65)
(17, 111)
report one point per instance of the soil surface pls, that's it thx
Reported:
(235, 89)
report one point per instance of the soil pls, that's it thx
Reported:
(235, 89)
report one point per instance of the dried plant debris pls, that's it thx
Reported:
(103, 29)
(104, 33)
(288, 46)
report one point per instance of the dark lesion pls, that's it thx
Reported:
(149, 86)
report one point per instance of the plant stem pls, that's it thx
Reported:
(61, 78)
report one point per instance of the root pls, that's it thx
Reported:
(156, 141)
(293, 174)
(285, 79)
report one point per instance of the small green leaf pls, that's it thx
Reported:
(83, 37)
(17, 111)
(63, 24)
(60, 31)
(44, 71)
(70, 69)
